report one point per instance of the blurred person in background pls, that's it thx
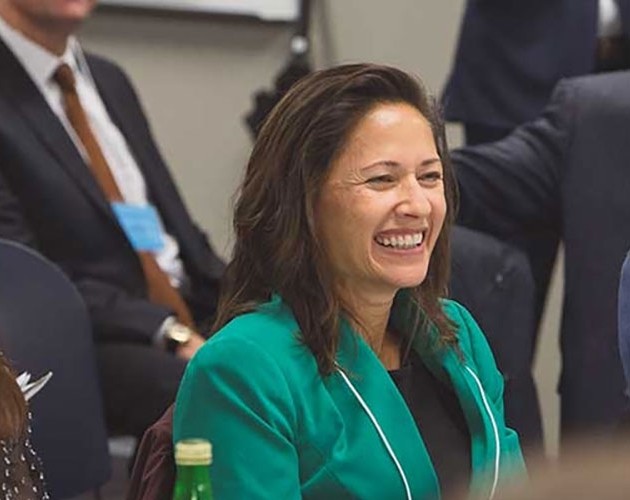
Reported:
(82, 182)
(509, 58)
(511, 54)
(337, 368)
(566, 174)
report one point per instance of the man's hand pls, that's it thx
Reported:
(187, 350)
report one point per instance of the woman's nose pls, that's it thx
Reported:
(414, 201)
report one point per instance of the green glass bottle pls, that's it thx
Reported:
(193, 458)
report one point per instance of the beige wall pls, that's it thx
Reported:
(196, 77)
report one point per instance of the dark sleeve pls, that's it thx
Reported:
(118, 316)
(12, 224)
(114, 313)
(513, 186)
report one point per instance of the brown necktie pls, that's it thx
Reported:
(159, 287)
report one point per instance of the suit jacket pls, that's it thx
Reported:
(49, 200)
(567, 173)
(281, 430)
(511, 53)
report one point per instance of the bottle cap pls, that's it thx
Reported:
(193, 452)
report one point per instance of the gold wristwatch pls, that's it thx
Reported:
(176, 335)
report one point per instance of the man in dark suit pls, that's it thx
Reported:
(511, 54)
(567, 173)
(82, 181)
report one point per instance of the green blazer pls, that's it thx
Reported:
(281, 431)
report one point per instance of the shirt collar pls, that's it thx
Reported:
(39, 63)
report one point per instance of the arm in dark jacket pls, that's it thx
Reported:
(513, 186)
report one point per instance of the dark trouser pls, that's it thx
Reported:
(138, 383)
(493, 280)
(541, 248)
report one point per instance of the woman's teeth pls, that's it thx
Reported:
(402, 242)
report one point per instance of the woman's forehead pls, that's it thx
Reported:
(390, 134)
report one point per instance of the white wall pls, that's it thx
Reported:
(196, 76)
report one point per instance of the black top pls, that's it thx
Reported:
(21, 476)
(440, 420)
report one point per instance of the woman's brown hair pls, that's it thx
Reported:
(276, 249)
(13, 407)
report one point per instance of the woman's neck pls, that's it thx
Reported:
(372, 315)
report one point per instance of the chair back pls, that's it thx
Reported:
(44, 326)
(624, 321)
(153, 476)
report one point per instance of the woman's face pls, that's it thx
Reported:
(382, 205)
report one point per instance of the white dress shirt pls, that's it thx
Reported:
(40, 66)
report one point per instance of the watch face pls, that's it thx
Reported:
(180, 334)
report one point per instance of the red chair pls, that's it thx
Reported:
(153, 475)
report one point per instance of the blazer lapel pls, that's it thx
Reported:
(381, 395)
(24, 96)
(447, 366)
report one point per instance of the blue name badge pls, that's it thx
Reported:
(141, 224)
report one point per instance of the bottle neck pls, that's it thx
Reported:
(193, 473)
(193, 481)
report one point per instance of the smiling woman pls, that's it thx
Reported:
(332, 131)
(382, 206)
(333, 340)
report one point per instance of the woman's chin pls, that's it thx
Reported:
(408, 282)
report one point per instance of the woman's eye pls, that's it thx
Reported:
(381, 179)
(430, 176)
